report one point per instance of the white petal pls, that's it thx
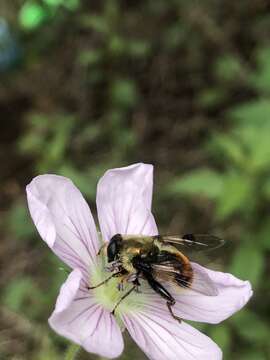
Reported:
(63, 219)
(124, 198)
(233, 294)
(161, 337)
(78, 318)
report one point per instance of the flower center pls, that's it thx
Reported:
(108, 294)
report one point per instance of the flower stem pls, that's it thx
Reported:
(72, 352)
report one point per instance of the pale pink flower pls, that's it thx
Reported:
(65, 223)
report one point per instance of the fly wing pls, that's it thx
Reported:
(201, 248)
(199, 242)
(197, 281)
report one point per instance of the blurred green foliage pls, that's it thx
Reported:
(34, 13)
(239, 191)
(183, 85)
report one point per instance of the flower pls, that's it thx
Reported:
(65, 223)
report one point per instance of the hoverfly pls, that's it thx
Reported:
(159, 259)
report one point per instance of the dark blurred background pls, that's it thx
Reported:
(90, 85)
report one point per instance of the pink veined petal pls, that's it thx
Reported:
(124, 197)
(79, 318)
(161, 337)
(233, 294)
(63, 219)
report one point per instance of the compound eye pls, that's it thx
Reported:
(114, 247)
(111, 251)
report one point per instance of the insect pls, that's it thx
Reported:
(159, 260)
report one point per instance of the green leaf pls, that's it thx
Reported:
(198, 325)
(266, 189)
(72, 352)
(124, 93)
(229, 147)
(221, 334)
(90, 57)
(138, 48)
(59, 138)
(263, 236)
(254, 139)
(32, 15)
(48, 138)
(211, 97)
(248, 263)
(68, 4)
(19, 222)
(253, 112)
(71, 4)
(20, 292)
(260, 79)
(237, 191)
(205, 182)
(252, 355)
(260, 151)
(117, 45)
(174, 35)
(228, 68)
(95, 22)
(53, 3)
(251, 327)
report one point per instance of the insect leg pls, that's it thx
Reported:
(158, 288)
(169, 305)
(104, 281)
(136, 282)
(123, 297)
